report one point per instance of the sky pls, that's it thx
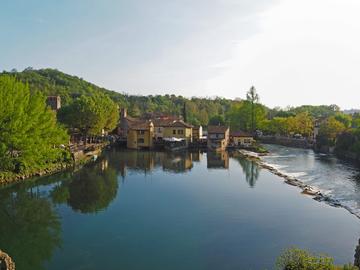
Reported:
(294, 52)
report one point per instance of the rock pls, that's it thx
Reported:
(310, 191)
(6, 261)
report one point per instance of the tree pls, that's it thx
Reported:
(243, 114)
(90, 114)
(253, 98)
(217, 120)
(30, 137)
(303, 124)
(329, 130)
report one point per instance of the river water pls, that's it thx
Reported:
(156, 210)
(337, 179)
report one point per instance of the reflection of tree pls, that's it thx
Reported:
(357, 255)
(92, 190)
(251, 170)
(29, 228)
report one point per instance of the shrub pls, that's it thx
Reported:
(298, 259)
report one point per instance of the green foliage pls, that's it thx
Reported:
(345, 119)
(29, 134)
(90, 114)
(298, 259)
(54, 82)
(217, 120)
(29, 225)
(242, 115)
(329, 131)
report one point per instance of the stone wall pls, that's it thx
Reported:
(286, 141)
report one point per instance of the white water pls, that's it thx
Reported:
(335, 178)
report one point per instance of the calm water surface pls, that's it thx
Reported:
(155, 210)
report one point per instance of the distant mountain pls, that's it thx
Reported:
(54, 82)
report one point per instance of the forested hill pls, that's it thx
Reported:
(54, 82)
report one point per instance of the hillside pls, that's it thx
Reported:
(54, 82)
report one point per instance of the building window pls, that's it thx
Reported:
(174, 131)
(141, 132)
(180, 131)
(159, 129)
(141, 140)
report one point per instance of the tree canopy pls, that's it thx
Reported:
(30, 136)
(90, 114)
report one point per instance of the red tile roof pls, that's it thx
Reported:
(240, 134)
(217, 129)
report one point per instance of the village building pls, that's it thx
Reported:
(140, 135)
(218, 138)
(241, 139)
(197, 133)
(161, 123)
(178, 129)
(54, 102)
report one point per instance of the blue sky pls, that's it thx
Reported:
(294, 52)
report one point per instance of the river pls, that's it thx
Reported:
(186, 210)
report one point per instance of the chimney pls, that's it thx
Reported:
(123, 113)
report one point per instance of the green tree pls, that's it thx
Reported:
(30, 137)
(329, 131)
(253, 98)
(298, 259)
(217, 120)
(90, 114)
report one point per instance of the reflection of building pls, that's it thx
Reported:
(177, 162)
(218, 137)
(218, 160)
(54, 102)
(239, 138)
(140, 135)
(196, 156)
(137, 161)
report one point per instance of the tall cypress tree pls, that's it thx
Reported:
(184, 112)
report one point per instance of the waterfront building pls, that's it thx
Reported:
(178, 129)
(218, 138)
(197, 133)
(241, 139)
(140, 135)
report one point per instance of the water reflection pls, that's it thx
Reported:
(89, 190)
(218, 160)
(357, 255)
(147, 161)
(29, 225)
(250, 169)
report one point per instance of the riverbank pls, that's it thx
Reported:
(286, 141)
(78, 157)
(307, 189)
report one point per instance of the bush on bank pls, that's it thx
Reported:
(298, 259)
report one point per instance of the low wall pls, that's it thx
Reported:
(286, 141)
